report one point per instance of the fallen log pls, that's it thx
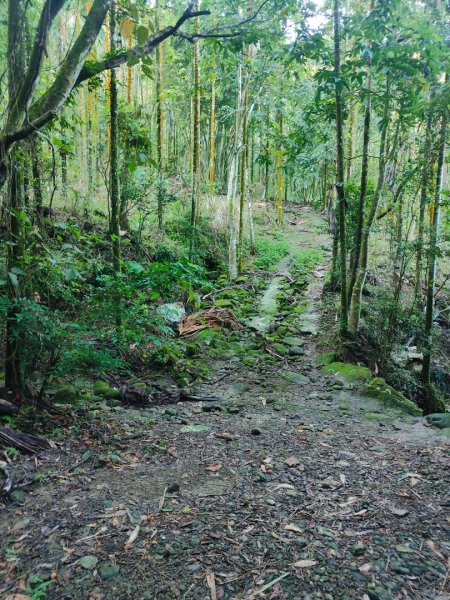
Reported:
(8, 408)
(22, 441)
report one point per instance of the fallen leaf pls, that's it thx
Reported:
(132, 537)
(214, 468)
(294, 528)
(304, 564)
(432, 546)
(292, 461)
(211, 581)
(361, 513)
(399, 512)
(365, 568)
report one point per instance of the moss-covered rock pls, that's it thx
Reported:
(66, 395)
(380, 390)
(101, 388)
(348, 372)
(325, 359)
(441, 420)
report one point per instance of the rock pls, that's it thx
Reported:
(66, 395)
(357, 549)
(296, 351)
(255, 431)
(109, 571)
(171, 412)
(296, 377)
(18, 497)
(88, 562)
(101, 388)
(172, 312)
(292, 341)
(114, 403)
(378, 388)
(210, 407)
(441, 420)
(348, 373)
(173, 488)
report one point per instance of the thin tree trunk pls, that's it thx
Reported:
(424, 190)
(232, 183)
(113, 152)
(355, 307)
(340, 171)
(363, 188)
(280, 170)
(36, 176)
(16, 64)
(431, 281)
(160, 143)
(195, 198)
(212, 142)
(243, 168)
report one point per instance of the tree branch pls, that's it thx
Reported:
(19, 104)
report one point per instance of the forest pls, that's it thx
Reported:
(224, 299)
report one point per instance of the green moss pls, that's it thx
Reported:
(101, 388)
(223, 303)
(347, 372)
(378, 388)
(325, 359)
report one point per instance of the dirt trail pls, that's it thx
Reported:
(283, 489)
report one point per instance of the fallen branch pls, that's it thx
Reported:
(22, 441)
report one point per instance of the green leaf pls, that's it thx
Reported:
(14, 279)
(142, 34)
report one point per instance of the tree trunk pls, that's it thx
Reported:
(424, 190)
(363, 188)
(195, 198)
(14, 254)
(113, 151)
(431, 281)
(243, 172)
(36, 176)
(160, 143)
(212, 142)
(232, 183)
(355, 307)
(340, 172)
(280, 170)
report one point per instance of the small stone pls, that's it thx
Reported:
(255, 431)
(18, 497)
(109, 571)
(173, 488)
(357, 549)
(88, 562)
(171, 412)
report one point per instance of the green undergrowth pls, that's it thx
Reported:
(269, 251)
